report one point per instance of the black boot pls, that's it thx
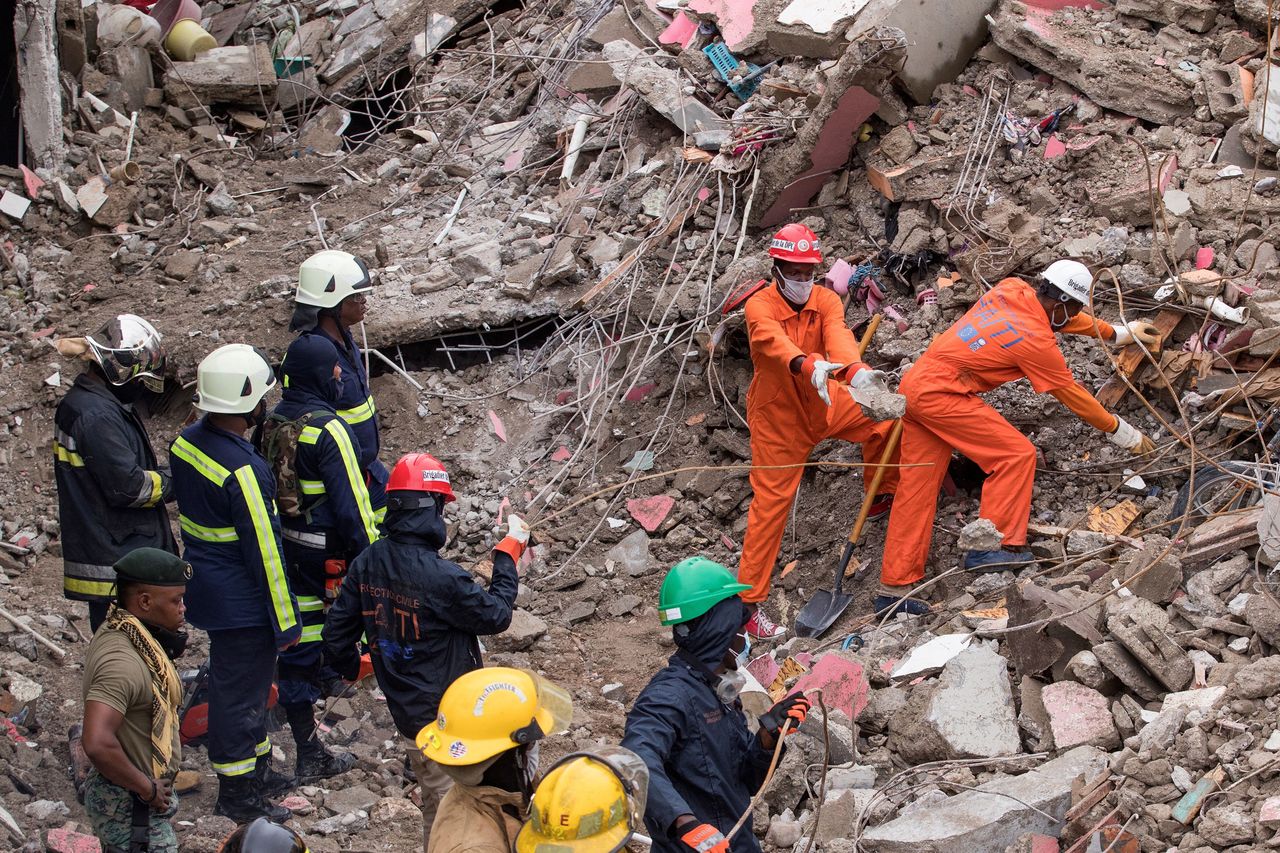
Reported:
(240, 799)
(315, 762)
(270, 782)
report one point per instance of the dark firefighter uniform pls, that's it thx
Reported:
(111, 491)
(337, 520)
(355, 406)
(239, 592)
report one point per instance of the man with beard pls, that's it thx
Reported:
(131, 700)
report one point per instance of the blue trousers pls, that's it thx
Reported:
(242, 663)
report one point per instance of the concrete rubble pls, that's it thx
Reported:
(555, 198)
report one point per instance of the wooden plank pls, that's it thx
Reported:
(1116, 520)
(1132, 357)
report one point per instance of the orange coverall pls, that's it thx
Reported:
(1003, 337)
(787, 418)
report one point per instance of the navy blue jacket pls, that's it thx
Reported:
(702, 760)
(231, 534)
(111, 490)
(356, 407)
(335, 500)
(420, 613)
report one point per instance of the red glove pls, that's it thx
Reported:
(705, 838)
(794, 708)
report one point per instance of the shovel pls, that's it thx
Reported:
(825, 607)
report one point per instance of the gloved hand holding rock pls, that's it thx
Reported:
(1129, 437)
(1140, 331)
(870, 390)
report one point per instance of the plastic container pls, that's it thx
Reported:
(169, 12)
(187, 39)
(121, 26)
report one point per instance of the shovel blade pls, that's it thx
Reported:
(821, 613)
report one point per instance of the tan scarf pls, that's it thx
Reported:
(166, 689)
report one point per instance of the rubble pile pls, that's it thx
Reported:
(558, 200)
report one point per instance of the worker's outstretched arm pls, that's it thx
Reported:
(837, 337)
(343, 626)
(99, 445)
(653, 728)
(1088, 326)
(344, 484)
(258, 529)
(1085, 406)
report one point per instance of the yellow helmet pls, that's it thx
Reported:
(486, 712)
(587, 803)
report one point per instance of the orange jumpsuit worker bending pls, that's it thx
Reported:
(799, 344)
(1007, 335)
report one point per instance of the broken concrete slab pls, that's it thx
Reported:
(944, 34)
(1112, 75)
(1198, 16)
(663, 90)
(926, 176)
(1153, 647)
(972, 707)
(813, 28)
(792, 174)
(1153, 573)
(843, 683)
(994, 815)
(1125, 667)
(243, 74)
(1079, 716)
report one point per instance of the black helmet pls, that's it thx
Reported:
(263, 836)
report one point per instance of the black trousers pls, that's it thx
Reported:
(242, 664)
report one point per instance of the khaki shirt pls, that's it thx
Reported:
(472, 820)
(116, 676)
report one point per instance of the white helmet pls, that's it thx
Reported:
(326, 278)
(1072, 279)
(127, 347)
(232, 380)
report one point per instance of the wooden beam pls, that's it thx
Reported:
(1132, 357)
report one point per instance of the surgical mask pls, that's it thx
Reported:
(730, 686)
(795, 289)
(740, 661)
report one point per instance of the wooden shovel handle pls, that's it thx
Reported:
(890, 446)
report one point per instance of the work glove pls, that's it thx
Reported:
(1129, 437)
(822, 371)
(517, 529)
(869, 380)
(705, 838)
(794, 708)
(1147, 334)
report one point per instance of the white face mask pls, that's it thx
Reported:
(796, 290)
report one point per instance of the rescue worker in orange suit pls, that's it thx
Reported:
(1007, 335)
(800, 347)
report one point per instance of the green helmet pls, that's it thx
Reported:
(694, 586)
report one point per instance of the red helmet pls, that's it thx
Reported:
(796, 244)
(420, 472)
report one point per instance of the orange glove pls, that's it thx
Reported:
(794, 708)
(705, 838)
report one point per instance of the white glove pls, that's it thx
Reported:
(868, 379)
(517, 529)
(1147, 334)
(822, 371)
(1129, 437)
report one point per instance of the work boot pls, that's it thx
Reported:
(984, 562)
(900, 604)
(271, 782)
(315, 762)
(880, 507)
(761, 627)
(240, 799)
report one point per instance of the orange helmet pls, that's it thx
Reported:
(420, 472)
(795, 243)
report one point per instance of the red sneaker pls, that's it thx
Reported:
(761, 627)
(880, 507)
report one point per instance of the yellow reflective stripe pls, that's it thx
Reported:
(309, 435)
(157, 488)
(262, 748)
(310, 604)
(86, 587)
(360, 413)
(380, 514)
(268, 546)
(311, 487)
(201, 461)
(356, 477)
(235, 768)
(311, 633)
(62, 454)
(207, 534)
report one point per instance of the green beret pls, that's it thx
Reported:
(154, 567)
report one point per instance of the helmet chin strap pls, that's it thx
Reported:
(1066, 318)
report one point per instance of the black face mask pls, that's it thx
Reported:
(257, 417)
(127, 393)
(337, 390)
(174, 643)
